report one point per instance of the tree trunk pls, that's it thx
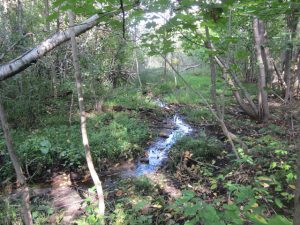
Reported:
(20, 17)
(231, 137)
(85, 140)
(236, 86)
(292, 22)
(165, 68)
(287, 73)
(266, 55)
(22, 186)
(263, 107)
(52, 66)
(297, 191)
(137, 65)
(28, 58)
(213, 91)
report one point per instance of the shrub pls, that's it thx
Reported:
(200, 147)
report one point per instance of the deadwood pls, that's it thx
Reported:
(30, 57)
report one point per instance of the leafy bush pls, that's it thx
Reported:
(201, 147)
(244, 209)
(112, 135)
(143, 184)
(273, 128)
(196, 115)
(9, 213)
(117, 135)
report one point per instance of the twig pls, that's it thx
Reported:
(71, 106)
(228, 134)
(202, 163)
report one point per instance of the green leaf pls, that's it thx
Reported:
(279, 220)
(150, 25)
(273, 165)
(258, 219)
(278, 202)
(45, 146)
(44, 150)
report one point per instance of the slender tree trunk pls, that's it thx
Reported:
(137, 66)
(231, 137)
(138, 70)
(20, 17)
(287, 73)
(22, 186)
(52, 66)
(298, 72)
(213, 92)
(292, 22)
(236, 86)
(297, 191)
(266, 56)
(269, 65)
(83, 118)
(165, 68)
(174, 74)
(263, 107)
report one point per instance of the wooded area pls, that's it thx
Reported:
(187, 112)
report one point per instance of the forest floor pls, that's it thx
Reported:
(201, 181)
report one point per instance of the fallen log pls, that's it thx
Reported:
(30, 57)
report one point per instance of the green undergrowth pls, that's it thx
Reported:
(112, 136)
(54, 140)
(142, 201)
(266, 172)
(200, 148)
(199, 80)
(197, 114)
(129, 97)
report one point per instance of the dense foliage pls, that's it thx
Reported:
(230, 68)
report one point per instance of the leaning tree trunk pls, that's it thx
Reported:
(22, 186)
(236, 86)
(263, 107)
(85, 140)
(28, 58)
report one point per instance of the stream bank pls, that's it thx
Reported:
(64, 193)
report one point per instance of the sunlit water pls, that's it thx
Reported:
(158, 151)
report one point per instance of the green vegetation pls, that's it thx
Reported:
(56, 143)
(81, 122)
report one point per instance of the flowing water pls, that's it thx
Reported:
(64, 196)
(157, 153)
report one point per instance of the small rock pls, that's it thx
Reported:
(169, 126)
(118, 108)
(144, 160)
(163, 134)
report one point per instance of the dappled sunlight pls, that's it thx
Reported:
(165, 183)
(156, 112)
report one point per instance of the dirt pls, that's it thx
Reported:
(65, 191)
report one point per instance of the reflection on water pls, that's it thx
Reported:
(159, 150)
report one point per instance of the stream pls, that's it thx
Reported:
(62, 194)
(157, 153)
